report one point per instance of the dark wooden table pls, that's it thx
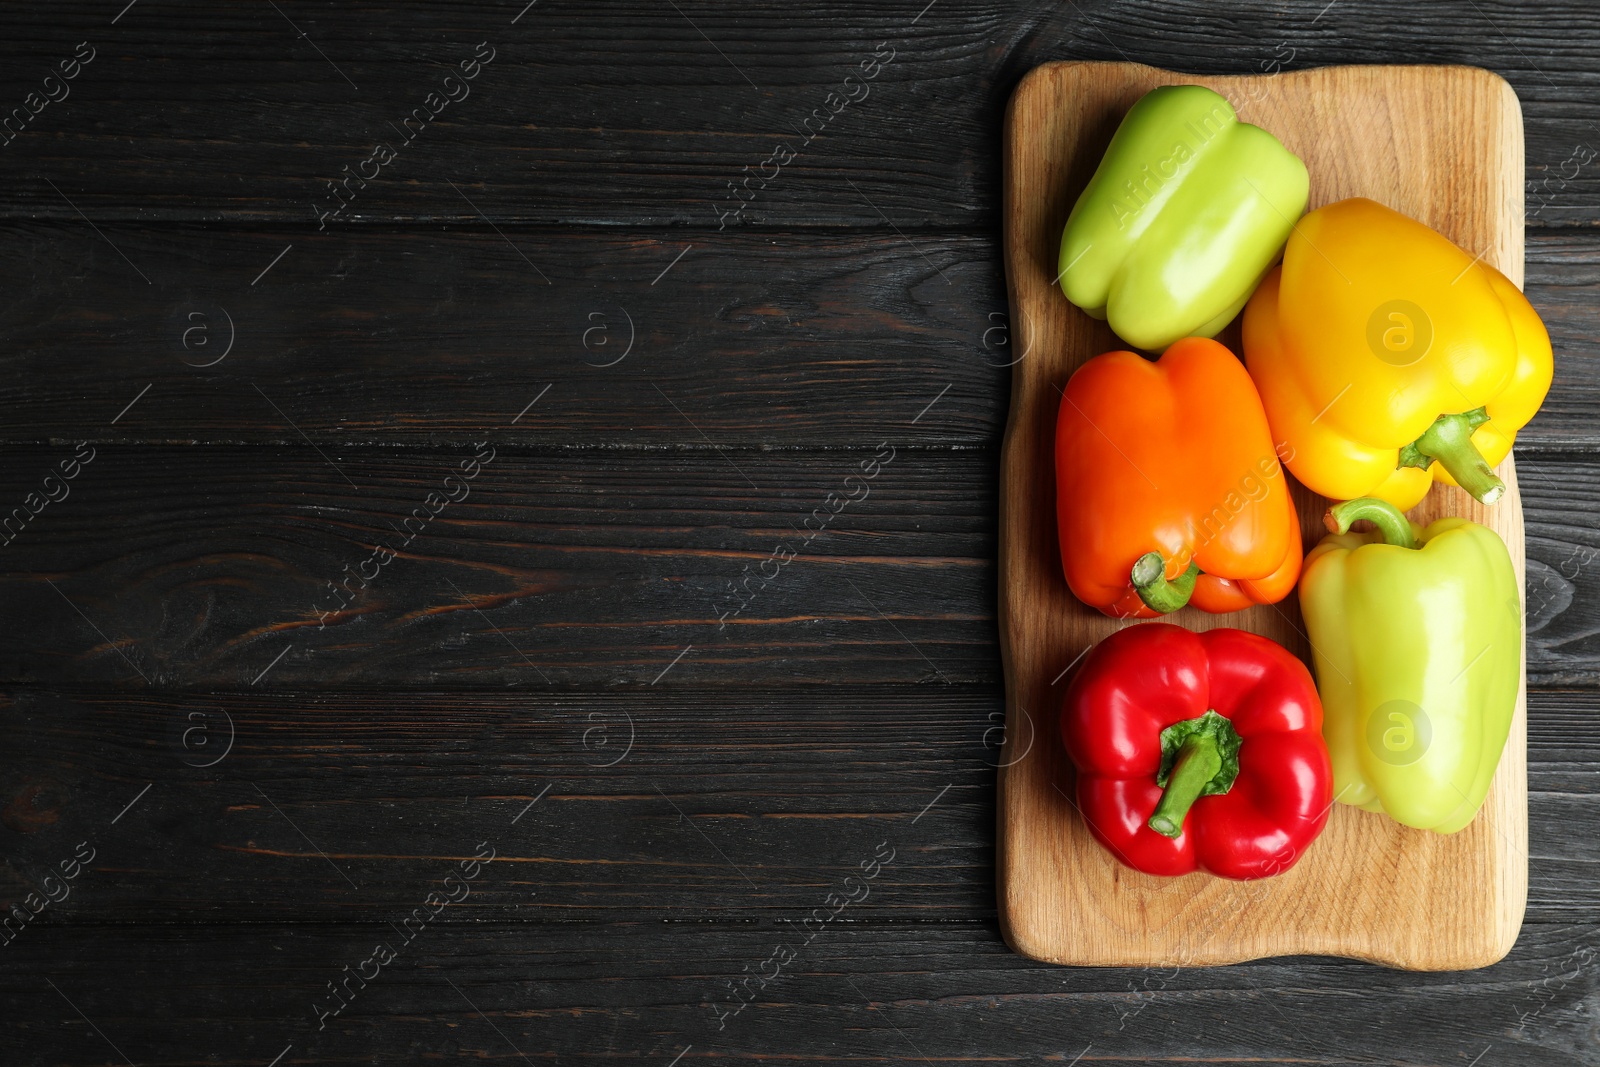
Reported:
(369, 528)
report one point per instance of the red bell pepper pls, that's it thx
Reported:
(1198, 751)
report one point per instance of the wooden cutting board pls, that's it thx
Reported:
(1442, 144)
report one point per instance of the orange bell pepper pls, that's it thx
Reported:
(1168, 487)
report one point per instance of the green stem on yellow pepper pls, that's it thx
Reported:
(1198, 762)
(1392, 525)
(1449, 442)
(1158, 594)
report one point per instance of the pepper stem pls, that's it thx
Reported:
(1392, 525)
(1449, 442)
(1158, 594)
(1199, 758)
(1198, 762)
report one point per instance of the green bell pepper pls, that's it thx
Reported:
(1416, 635)
(1187, 211)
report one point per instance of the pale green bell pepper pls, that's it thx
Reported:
(1187, 211)
(1417, 639)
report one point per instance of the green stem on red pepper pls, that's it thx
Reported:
(1198, 763)
(1199, 757)
(1159, 594)
(1449, 442)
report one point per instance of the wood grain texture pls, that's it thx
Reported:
(673, 803)
(1443, 145)
(860, 993)
(439, 336)
(201, 567)
(624, 112)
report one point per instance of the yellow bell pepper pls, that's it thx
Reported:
(1387, 357)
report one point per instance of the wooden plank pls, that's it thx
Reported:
(1442, 144)
(857, 992)
(441, 336)
(1563, 550)
(648, 127)
(663, 800)
(202, 566)
(564, 126)
(786, 787)
(782, 340)
(1563, 283)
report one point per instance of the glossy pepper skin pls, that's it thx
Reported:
(1387, 357)
(1189, 207)
(1417, 639)
(1198, 751)
(1168, 489)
